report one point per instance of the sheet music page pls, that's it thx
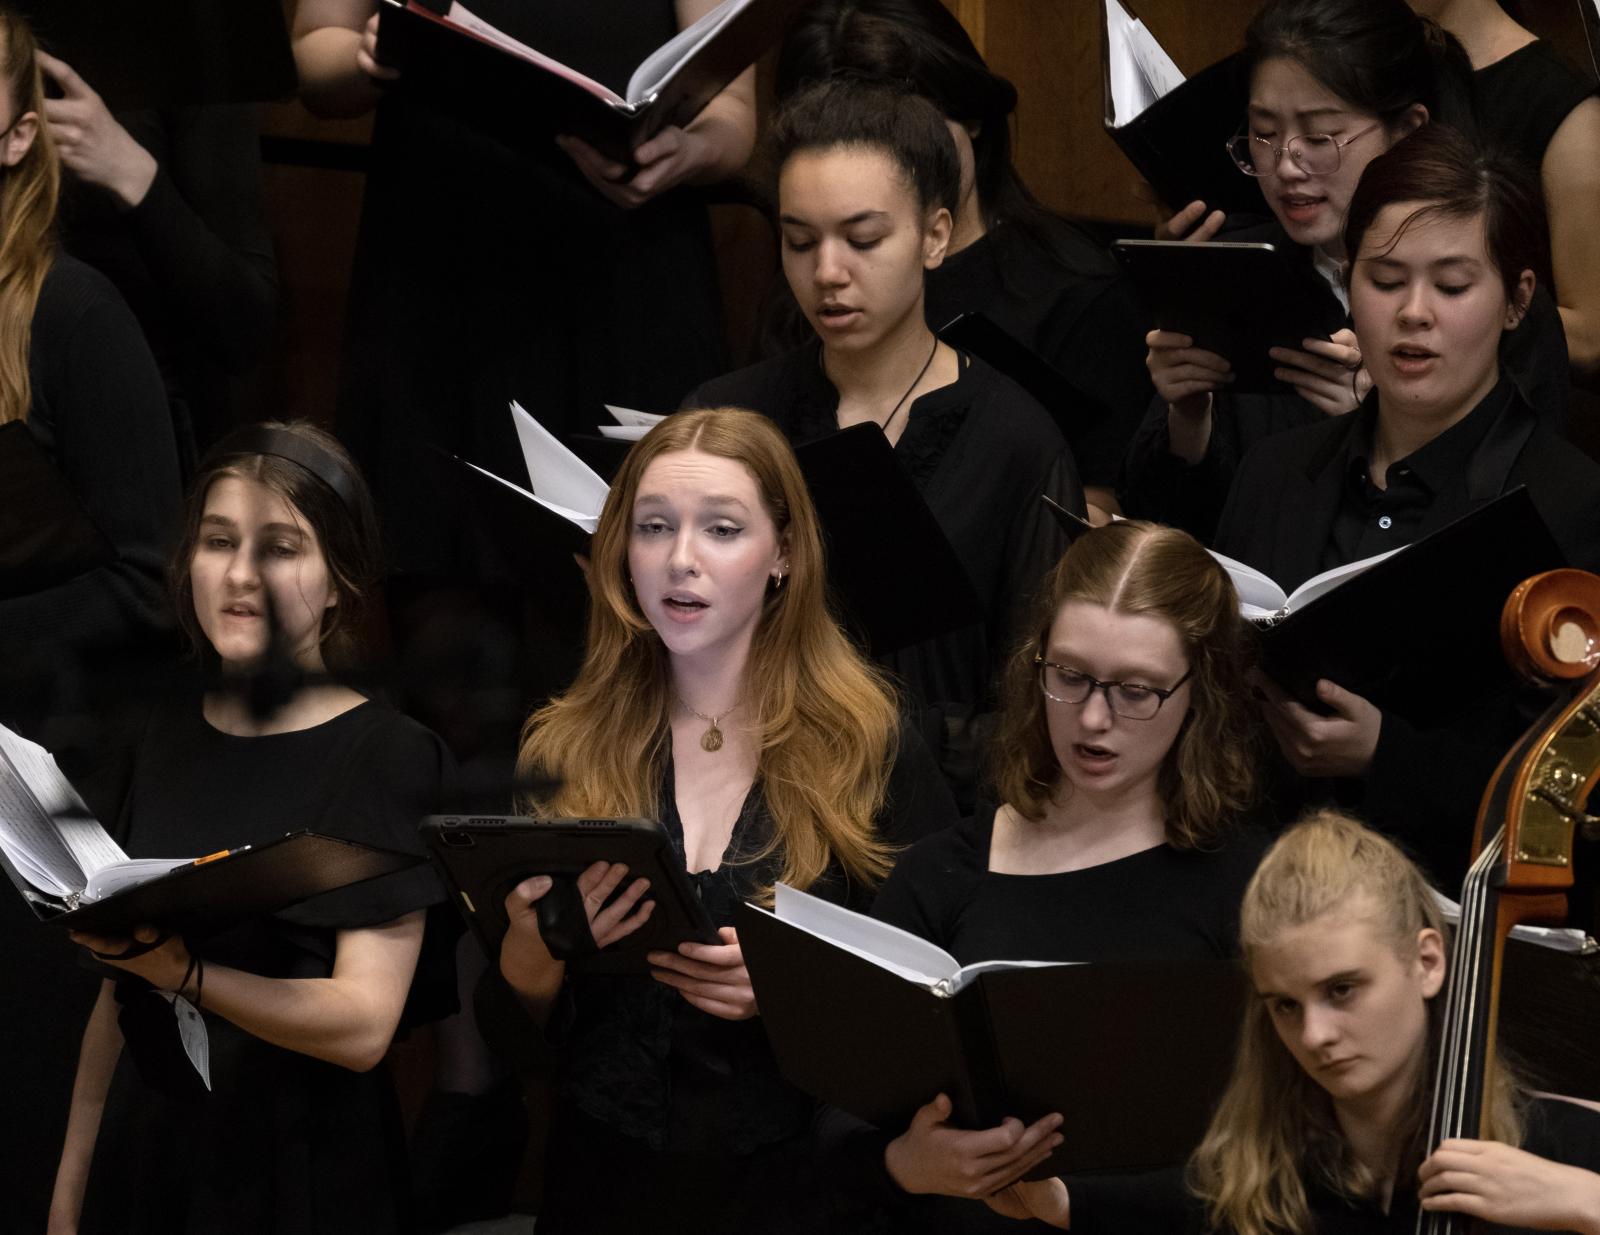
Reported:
(589, 523)
(894, 949)
(658, 67)
(76, 845)
(1140, 69)
(556, 474)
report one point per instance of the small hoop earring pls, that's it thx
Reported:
(777, 581)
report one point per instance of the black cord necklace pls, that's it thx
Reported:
(921, 373)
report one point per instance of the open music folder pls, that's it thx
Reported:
(1173, 129)
(876, 1021)
(454, 60)
(69, 870)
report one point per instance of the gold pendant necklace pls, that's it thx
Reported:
(711, 739)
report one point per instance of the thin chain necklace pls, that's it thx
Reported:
(921, 373)
(711, 739)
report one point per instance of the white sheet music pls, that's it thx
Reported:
(1140, 69)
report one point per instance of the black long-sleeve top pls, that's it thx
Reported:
(1297, 508)
(100, 414)
(194, 259)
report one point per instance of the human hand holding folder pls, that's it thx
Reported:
(159, 957)
(934, 1156)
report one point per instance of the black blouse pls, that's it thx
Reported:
(644, 1062)
(982, 452)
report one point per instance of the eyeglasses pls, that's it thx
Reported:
(1132, 700)
(1316, 154)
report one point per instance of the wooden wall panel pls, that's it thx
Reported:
(1051, 50)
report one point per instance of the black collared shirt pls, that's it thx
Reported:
(1371, 520)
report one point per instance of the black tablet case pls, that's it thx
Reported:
(525, 105)
(1237, 300)
(1180, 142)
(482, 857)
(201, 899)
(1133, 1056)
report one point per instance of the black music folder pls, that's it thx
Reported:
(894, 574)
(69, 870)
(1174, 130)
(46, 536)
(1073, 409)
(876, 1021)
(459, 63)
(1416, 630)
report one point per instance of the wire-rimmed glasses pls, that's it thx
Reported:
(1316, 154)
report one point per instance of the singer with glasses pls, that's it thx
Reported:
(1333, 84)
(1124, 765)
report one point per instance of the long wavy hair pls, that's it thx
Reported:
(1209, 775)
(29, 193)
(1275, 1126)
(826, 718)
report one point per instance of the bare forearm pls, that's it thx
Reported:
(533, 975)
(728, 125)
(1583, 341)
(97, 1061)
(332, 85)
(1189, 430)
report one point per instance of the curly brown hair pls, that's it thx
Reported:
(1209, 775)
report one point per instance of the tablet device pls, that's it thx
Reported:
(1233, 299)
(482, 857)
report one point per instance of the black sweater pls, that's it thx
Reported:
(100, 413)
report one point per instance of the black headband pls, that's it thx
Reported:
(286, 444)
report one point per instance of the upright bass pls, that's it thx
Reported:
(1532, 812)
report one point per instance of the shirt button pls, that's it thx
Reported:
(1385, 522)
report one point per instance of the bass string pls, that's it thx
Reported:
(1447, 1111)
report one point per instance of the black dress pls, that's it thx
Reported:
(1559, 1131)
(982, 452)
(484, 275)
(670, 1119)
(1159, 904)
(1158, 485)
(1301, 503)
(1523, 98)
(1061, 295)
(283, 1142)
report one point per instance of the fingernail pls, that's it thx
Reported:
(539, 883)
